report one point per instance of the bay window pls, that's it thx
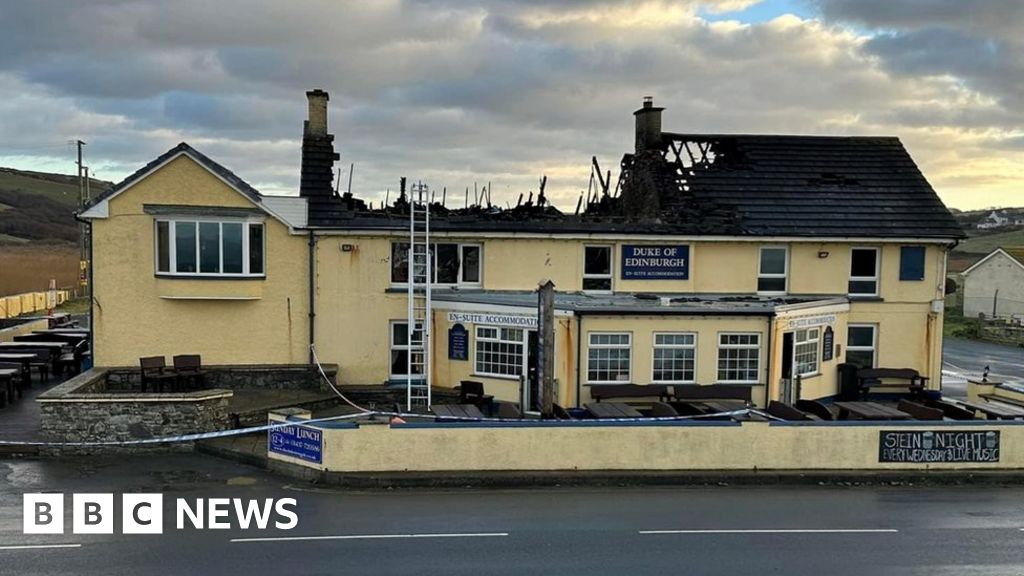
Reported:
(209, 248)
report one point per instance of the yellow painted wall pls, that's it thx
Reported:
(133, 315)
(750, 446)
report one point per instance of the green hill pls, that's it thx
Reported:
(39, 207)
(988, 242)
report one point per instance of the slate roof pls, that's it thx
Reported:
(198, 156)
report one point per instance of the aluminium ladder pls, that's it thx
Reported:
(420, 259)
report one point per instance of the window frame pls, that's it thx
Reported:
(718, 358)
(522, 344)
(433, 250)
(629, 358)
(654, 356)
(876, 278)
(407, 347)
(172, 247)
(610, 276)
(761, 274)
(814, 344)
(874, 342)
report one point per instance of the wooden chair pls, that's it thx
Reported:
(154, 370)
(189, 369)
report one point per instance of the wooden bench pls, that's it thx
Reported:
(920, 411)
(816, 408)
(996, 410)
(1002, 399)
(712, 392)
(606, 391)
(787, 412)
(868, 378)
(950, 410)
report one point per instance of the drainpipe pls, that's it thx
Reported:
(90, 286)
(771, 359)
(579, 350)
(312, 295)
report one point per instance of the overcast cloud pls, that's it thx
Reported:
(454, 92)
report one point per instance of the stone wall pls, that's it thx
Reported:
(254, 376)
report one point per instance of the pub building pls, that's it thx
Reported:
(750, 260)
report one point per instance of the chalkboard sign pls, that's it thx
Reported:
(458, 343)
(939, 446)
(828, 344)
(656, 262)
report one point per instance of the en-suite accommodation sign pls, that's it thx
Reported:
(656, 262)
(938, 446)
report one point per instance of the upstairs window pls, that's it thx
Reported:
(209, 248)
(863, 272)
(454, 264)
(772, 271)
(911, 263)
(597, 268)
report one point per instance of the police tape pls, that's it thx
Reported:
(373, 414)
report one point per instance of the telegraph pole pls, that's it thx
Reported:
(83, 239)
(546, 346)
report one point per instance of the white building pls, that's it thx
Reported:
(994, 286)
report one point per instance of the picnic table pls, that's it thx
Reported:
(605, 410)
(82, 331)
(456, 412)
(52, 345)
(995, 410)
(717, 406)
(869, 411)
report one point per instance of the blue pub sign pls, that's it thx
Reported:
(300, 442)
(656, 262)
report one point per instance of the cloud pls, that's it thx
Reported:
(456, 93)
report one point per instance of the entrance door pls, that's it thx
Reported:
(531, 392)
(786, 392)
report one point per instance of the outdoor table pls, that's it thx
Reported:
(456, 411)
(869, 411)
(995, 410)
(69, 339)
(56, 346)
(7, 378)
(81, 331)
(716, 406)
(24, 359)
(604, 410)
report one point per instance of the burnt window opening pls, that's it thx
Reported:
(453, 263)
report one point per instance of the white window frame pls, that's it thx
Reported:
(172, 247)
(756, 346)
(628, 346)
(522, 343)
(610, 276)
(813, 343)
(654, 353)
(407, 347)
(874, 342)
(785, 271)
(876, 278)
(433, 250)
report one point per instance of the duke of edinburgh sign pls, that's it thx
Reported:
(656, 262)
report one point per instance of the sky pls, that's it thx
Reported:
(456, 93)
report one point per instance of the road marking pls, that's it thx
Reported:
(39, 546)
(370, 537)
(780, 531)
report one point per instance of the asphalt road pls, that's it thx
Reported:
(717, 530)
(964, 359)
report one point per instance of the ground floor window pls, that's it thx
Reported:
(674, 357)
(608, 357)
(499, 351)
(402, 344)
(805, 351)
(861, 341)
(739, 358)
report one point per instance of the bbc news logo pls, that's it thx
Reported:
(144, 513)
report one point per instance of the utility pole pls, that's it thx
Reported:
(546, 346)
(995, 302)
(83, 240)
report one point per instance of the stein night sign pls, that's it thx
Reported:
(656, 262)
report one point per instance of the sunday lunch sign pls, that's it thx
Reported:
(656, 262)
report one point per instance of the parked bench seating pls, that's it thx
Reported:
(816, 408)
(712, 392)
(155, 373)
(472, 392)
(1002, 399)
(189, 370)
(950, 410)
(619, 391)
(663, 410)
(920, 411)
(868, 378)
(788, 412)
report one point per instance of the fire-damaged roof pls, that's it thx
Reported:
(712, 185)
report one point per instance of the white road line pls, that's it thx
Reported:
(779, 531)
(39, 546)
(369, 537)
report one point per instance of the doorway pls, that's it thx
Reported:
(786, 391)
(531, 399)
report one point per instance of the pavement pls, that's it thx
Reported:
(890, 530)
(962, 359)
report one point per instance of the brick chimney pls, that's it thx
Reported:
(648, 126)
(318, 153)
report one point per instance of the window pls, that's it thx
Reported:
(739, 358)
(864, 272)
(805, 351)
(455, 264)
(499, 351)
(597, 268)
(771, 274)
(911, 263)
(401, 346)
(608, 357)
(860, 345)
(209, 248)
(674, 357)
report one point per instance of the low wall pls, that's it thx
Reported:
(237, 377)
(646, 446)
(26, 327)
(81, 410)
